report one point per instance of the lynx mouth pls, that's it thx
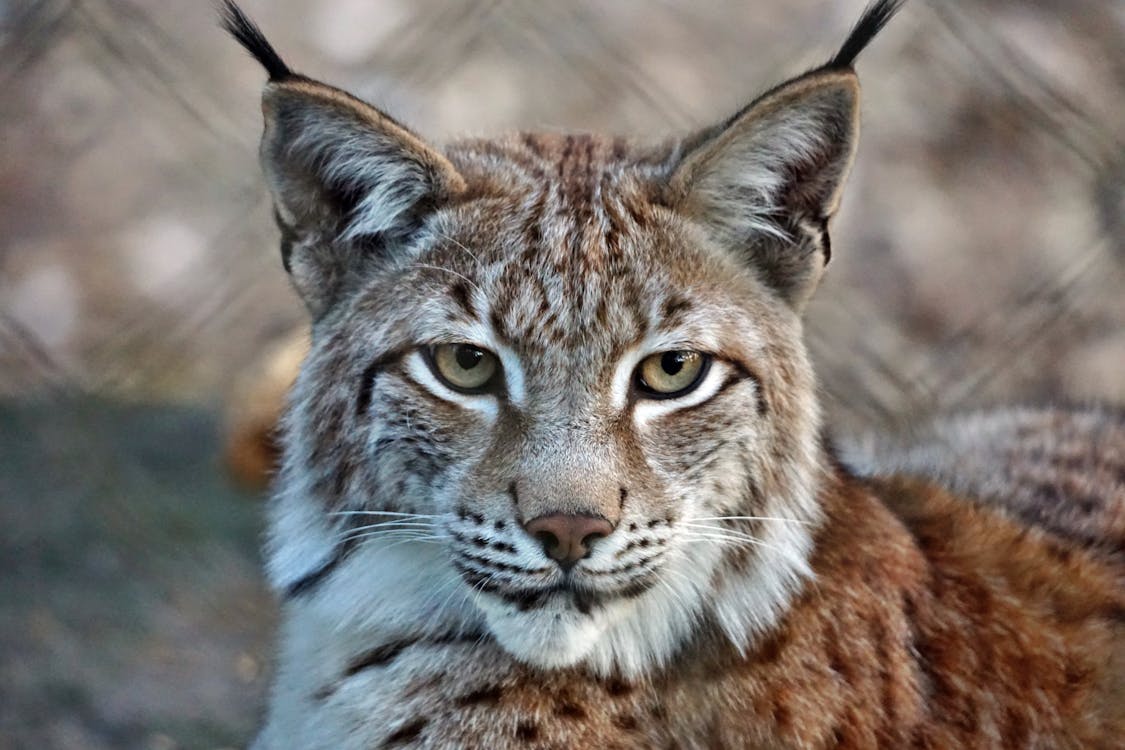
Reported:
(581, 598)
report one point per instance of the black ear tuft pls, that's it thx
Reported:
(870, 23)
(239, 25)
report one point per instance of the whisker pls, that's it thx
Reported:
(718, 530)
(752, 518)
(453, 584)
(386, 513)
(421, 540)
(470, 253)
(699, 537)
(400, 534)
(400, 524)
(665, 580)
(741, 541)
(464, 278)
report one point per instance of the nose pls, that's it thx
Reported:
(567, 538)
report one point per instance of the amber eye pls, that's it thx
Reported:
(464, 367)
(671, 374)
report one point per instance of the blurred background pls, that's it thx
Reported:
(979, 258)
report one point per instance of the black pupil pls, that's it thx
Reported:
(672, 362)
(468, 357)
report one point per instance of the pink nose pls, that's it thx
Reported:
(567, 538)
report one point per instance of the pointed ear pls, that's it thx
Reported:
(765, 182)
(349, 184)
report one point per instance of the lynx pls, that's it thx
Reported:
(553, 470)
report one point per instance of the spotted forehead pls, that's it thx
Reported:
(564, 232)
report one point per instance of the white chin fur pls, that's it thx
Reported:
(552, 637)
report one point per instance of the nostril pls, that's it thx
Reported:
(549, 541)
(589, 539)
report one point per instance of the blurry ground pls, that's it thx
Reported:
(978, 258)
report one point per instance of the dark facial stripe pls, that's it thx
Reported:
(367, 381)
(312, 580)
(673, 311)
(406, 735)
(383, 655)
(485, 696)
(461, 295)
(378, 656)
(524, 599)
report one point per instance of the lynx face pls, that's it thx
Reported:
(556, 390)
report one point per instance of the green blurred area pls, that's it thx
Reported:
(131, 609)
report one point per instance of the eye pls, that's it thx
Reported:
(671, 374)
(463, 367)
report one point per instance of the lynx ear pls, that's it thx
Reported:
(765, 182)
(350, 185)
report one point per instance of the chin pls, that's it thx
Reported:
(553, 636)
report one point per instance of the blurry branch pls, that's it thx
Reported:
(1018, 331)
(32, 31)
(165, 338)
(1027, 84)
(130, 46)
(28, 365)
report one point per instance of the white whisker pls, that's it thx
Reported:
(752, 518)
(470, 253)
(390, 525)
(464, 278)
(386, 513)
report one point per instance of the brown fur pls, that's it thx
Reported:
(933, 623)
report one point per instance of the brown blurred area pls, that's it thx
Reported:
(978, 259)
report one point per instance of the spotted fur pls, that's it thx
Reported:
(753, 591)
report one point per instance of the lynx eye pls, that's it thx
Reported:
(463, 367)
(671, 374)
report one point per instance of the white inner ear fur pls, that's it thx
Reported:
(320, 139)
(737, 180)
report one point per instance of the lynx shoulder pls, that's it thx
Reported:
(553, 473)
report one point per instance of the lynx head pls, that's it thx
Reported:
(557, 390)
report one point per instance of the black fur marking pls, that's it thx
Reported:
(870, 23)
(309, 582)
(527, 731)
(367, 381)
(523, 599)
(324, 693)
(247, 33)
(377, 657)
(618, 687)
(570, 710)
(483, 696)
(460, 294)
(406, 734)
(485, 563)
(641, 563)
